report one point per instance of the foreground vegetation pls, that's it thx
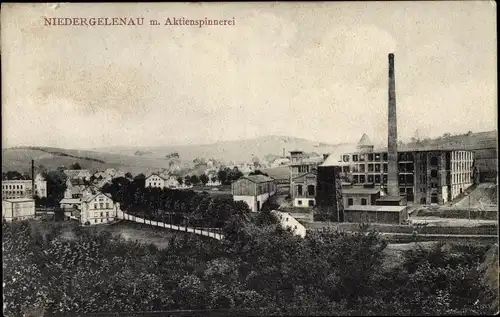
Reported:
(259, 266)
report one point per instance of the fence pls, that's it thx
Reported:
(211, 232)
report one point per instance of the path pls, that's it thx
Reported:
(483, 195)
(210, 234)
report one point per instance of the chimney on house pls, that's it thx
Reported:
(392, 138)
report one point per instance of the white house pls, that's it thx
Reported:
(155, 180)
(97, 208)
(287, 221)
(40, 186)
(255, 190)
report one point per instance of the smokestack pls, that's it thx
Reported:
(33, 177)
(392, 138)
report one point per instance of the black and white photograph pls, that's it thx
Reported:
(335, 158)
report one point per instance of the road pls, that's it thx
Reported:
(485, 194)
(452, 222)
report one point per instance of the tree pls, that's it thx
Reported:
(180, 180)
(13, 175)
(187, 180)
(204, 179)
(213, 179)
(129, 175)
(75, 166)
(195, 180)
(222, 175)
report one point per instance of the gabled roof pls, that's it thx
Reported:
(259, 178)
(159, 175)
(313, 172)
(365, 141)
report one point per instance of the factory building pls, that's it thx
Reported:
(424, 176)
(303, 178)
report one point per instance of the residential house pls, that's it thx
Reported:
(158, 180)
(303, 191)
(255, 190)
(40, 186)
(97, 208)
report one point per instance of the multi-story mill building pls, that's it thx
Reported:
(425, 175)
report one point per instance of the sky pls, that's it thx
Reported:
(311, 70)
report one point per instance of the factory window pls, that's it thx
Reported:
(434, 173)
(361, 178)
(370, 167)
(370, 157)
(95, 206)
(346, 158)
(310, 190)
(409, 179)
(362, 168)
(385, 168)
(363, 201)
(311, 204)
(101, 214)
(434, 161)
(384, 179)
(402, 167)
(409, 191)
(299, 202)
(401, 190)
(355, 158)
(370, 178)
(377, 157)
(299, 190)
(377, 179)
(409, 167)
(401, 178)
(101, 205)
(362, 157)
(355, 179)
(349, 202)
(377, 167)
(107, 205)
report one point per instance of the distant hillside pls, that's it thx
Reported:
(236, 151)
(19, 159)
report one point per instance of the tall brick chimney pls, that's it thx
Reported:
(392, 138)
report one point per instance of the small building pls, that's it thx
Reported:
(287, 221)
(255, 190)
(376, 214)
(156, 180)
(357, 195)
(304, 189)
(40, 186)
(18, 209)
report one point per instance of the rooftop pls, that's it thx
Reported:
(373, 208)
(259, 178)
(390, 198)
(365, 141)
(19, 200)
(360, 190)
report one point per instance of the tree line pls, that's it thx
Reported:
(258, 267)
